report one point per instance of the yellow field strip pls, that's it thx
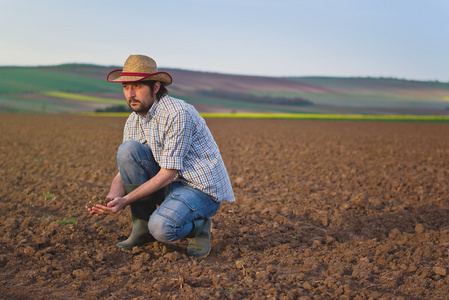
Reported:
(328, 116)
(429, 118)
(81, 97)
(105, 114)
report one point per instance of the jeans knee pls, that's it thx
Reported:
(161, 229)
(125, 149)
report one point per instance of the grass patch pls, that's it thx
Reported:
(48, 196)
(71, 220)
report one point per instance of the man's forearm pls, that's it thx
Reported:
(161, 180)
(116, 189)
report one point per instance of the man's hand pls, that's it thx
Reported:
(160, 180)
(112, 207)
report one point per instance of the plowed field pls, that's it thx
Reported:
(346, 210)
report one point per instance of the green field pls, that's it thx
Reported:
(35, 90)
(374, 92)
(75, 88)
(81, 97)
(23, 80)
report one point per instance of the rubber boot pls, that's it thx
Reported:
(141, 211)
(199, 244)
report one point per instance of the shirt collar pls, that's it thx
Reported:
(150, 113)
(154, 107)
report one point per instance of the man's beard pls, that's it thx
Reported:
(139, 108)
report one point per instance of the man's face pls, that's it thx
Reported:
(139, 96)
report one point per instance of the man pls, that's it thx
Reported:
(168, 158)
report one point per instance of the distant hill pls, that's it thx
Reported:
(73, 88)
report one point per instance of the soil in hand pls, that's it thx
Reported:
(98, 200)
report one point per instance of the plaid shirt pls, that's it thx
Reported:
(180, 140)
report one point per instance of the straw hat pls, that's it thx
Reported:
(139, 68)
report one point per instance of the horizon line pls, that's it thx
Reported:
(234, 74)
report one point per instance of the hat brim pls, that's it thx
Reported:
(116, 76)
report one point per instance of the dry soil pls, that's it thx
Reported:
(324, 210)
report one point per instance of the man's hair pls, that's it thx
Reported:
(162, 90)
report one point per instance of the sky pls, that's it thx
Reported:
(406, 39)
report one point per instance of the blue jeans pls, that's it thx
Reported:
(172, 220)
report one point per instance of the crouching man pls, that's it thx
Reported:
(171, 172)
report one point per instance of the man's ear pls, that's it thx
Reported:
(156, 87)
